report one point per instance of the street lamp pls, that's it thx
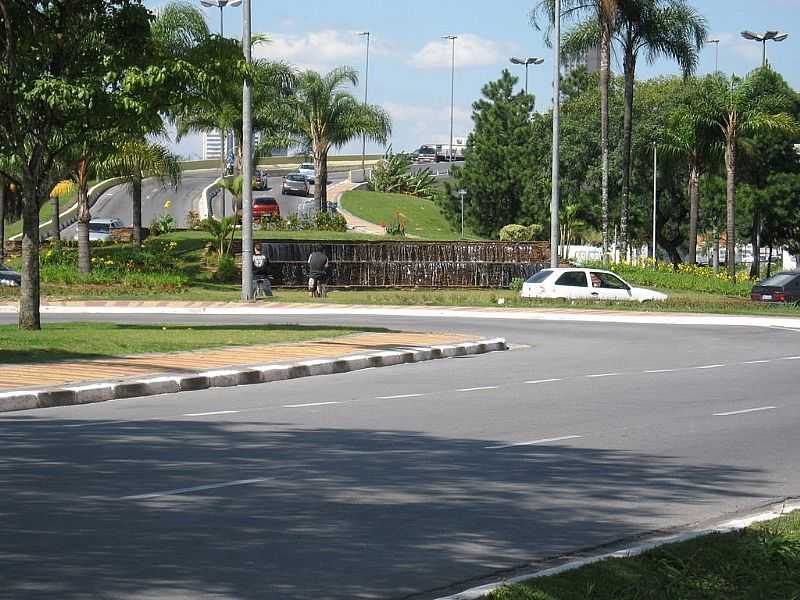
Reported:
(555, 199)
(221, 4)
(452, 39)
(716, 54)
(368, 35)
(775, 36)
(534, 60)
(247, 158)
(655, 202)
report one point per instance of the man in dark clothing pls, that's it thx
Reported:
(263, 286)
(317, 271)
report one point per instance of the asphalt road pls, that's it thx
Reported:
(405, 481)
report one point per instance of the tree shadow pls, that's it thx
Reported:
(334, 513)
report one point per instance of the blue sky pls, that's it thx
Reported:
(409, 62)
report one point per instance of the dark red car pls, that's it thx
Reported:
(783, 287)
(265, 206)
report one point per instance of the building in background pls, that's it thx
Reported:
(212, 145)
(589, 59)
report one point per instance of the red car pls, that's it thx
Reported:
(263, 207)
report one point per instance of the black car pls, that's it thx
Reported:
(782, 287)
(8, 277)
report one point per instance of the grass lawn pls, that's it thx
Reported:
(45, 214)
(64, 341)
(762, 562)
(425, 220)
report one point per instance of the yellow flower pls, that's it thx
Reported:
(168, 204)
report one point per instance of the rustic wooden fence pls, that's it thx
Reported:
(408, 263)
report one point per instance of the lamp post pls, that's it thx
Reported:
(534, 60)
(452, 39)
(555, 199)
(367, 35)
(763, 38)
(221, 4)
(716, 54)
(655, 201)
(247, 159)
(461, 194)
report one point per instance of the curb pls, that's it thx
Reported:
(77, 393)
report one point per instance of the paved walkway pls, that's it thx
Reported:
(22, 376)
(354, 223)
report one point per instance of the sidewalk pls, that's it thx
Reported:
(39, 385)
(354, 223)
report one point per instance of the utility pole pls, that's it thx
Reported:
(247, 157)
(452, 39)
(555, 200)
(368, 35)
(655, 202)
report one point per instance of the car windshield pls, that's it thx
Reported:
(539, 277)
(779, 280)
(307, 166)
(296, 178)
(99, 227)
(264, 201)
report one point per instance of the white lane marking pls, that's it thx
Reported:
(791, 358)
(755, 362)
(479, 389)
(535, 442)
(198, 488)
(537, 381)
(661, 371)
(709, 367)
(742, 412)
(398, 397)
(211, 414)
(309, 404)
(603, 375)
(99, 424)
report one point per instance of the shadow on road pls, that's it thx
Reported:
(338, 514)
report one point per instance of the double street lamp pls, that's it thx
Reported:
(763, 38)
(533, 60)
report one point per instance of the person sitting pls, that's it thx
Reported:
(261, 283)
(317, 273)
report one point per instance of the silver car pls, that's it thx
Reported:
(100, 229)
(295, 183)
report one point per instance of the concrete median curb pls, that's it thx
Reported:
(90, 392)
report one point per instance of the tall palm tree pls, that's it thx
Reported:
(735, 107)
(602, 15)
(326, 116)
(61, 189)
(134, 160)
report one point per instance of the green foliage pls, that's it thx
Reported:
(516, 284)
(520, 233)
(397, 226)
(393, 175)
(226, 270)
(222, 233)
(321, 221)
(162, 224)
(325, 221)
(193, 220)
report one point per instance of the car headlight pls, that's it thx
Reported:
(9, 282)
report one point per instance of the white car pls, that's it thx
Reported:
(100, 229)
(308, 171)
(585, 284)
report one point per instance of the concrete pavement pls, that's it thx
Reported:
(414, 481)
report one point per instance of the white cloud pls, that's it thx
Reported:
(318, 50)
(471, 51)
(427, 124)
(734, 43)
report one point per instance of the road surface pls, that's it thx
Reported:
(402, 482)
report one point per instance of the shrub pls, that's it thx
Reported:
(397, 227)
(162, 224)
(516, 284)
(226, 270)
(520, 233)
(393, 175)
(193, 220)
(273, 223)
(325, 221)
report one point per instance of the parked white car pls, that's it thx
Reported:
(585, 284)
(100, 229)
(308, 171)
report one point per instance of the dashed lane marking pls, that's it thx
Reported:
(211, 414)
(309, 404)
(535, 442)
(745, 411)
(398, 397)
(479, 389)
(538, 381)
(197, 488)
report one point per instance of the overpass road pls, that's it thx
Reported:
(402, 482)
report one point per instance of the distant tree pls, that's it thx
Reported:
(324, 115)
(493, 174)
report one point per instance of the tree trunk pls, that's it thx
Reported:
(2, 219)
(694, 209)
(320, 174)
(136, 201)
(56, 222)
(29, 316)
(755, 240)
(627, 137)
(715, 257)
(605, 67)
(730, 206)
(769, 262)
(84, 216)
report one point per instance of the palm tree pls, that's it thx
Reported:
(326, 116)
(602, 15)
(734, 107)
(134, 160)
(62, 188)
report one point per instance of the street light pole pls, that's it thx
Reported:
(655, 201)
(452, 39)
(763, 38)
(716, 54)
(368, 35)
(534, 60)
(555, 200)
(247, 157)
